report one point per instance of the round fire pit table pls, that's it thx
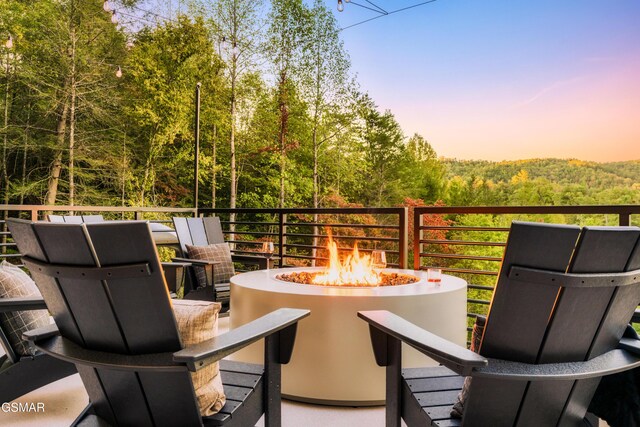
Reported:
(332, 360)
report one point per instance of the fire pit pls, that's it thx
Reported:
(332, 360)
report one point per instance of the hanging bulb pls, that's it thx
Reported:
(114, 17)
(223, 42)
(106, 6)
(9, 43)
(340, 6)
(236, 50)
(119, 72)
(129, 45)
(347, 1)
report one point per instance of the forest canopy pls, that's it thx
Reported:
(98, 109)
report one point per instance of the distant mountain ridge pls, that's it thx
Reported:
(559, 171)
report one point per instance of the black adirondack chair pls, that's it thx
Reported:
(560, 307)
(202, 232)
(104, 287)
(21, 374)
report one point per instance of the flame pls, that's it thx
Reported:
(355, 270)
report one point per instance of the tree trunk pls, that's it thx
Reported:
(5, 166)
(232, 139)
(56, 165)
(213, 168)
(284, 122)
(72, 123)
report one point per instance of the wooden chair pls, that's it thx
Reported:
(561, 304)
(22, 374)
(103, 285)
(202, 232)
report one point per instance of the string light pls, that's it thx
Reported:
(106, 6)
(9, 43)
(340, 6)
(114, 17)
(119, 72)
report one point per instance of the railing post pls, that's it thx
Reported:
(138, 216)
(403, 235)
(282, 218)
(624, 219)
(34, 214)
(418, 222)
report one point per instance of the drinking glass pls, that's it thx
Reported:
(378, 259)
(434, 275)
(267, 250)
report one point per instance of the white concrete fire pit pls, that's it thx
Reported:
(332, 361)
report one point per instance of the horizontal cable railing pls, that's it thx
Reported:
(300, 235)
(469, 241)
(464, 241)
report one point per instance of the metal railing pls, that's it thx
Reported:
(469, 241)
(40, 212)
(465, 241)
(300, 234)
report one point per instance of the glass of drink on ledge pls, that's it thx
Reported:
(434, 275)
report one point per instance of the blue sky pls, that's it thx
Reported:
(505, 79)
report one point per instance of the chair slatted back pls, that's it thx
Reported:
(198, 231)
(539, 323)
(92, 218)
(125, 316)
(73, 219)
(55, 218)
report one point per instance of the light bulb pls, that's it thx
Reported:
(347, 1)
(106, 6)
(340, 6)
(130, 45)
(9, 43)
(235, 50)
(114, 17)
(223, 42)
(119, 72)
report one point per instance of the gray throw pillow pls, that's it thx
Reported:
(218, 252)
(15, 283)
(476, 339)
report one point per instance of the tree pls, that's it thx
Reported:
(383, 148)
(286, 36)
(163, 68)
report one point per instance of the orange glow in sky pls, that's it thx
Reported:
(501, 80)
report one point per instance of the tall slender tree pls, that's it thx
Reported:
(287, 35)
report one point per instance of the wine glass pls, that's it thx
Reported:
(378, 259)
(267, 250)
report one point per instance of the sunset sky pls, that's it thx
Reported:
(502, 80)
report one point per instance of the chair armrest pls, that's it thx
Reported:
(451, 355)
(210, 351)
(176, 264)
(630, 344)
(41, 333)
(258, 260)
(196, 262)
(609, 363)
(68, 351)
(636, 317)
(23, 303)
